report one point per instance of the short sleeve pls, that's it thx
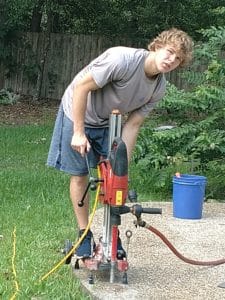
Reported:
(109, 66)
(158, 94)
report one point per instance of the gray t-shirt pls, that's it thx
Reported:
(119, 72)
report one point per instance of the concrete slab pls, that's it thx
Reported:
(154, 271)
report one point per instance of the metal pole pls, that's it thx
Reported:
(115, 129)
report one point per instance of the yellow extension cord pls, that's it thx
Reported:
(13, 266)
(79, 241)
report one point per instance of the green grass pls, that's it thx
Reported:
(35, 201)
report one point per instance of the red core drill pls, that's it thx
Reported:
(113, 192)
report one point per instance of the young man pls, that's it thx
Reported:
(130, 80)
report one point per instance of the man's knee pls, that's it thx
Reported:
(78, 180)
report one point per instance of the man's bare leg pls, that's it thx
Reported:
(78, 185)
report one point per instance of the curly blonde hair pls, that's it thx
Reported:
(179, 39)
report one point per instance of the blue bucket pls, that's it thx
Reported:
(188, 196)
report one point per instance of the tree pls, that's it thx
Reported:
(142, 19)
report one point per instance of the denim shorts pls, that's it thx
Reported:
(64, 158)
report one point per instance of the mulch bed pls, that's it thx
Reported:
(25, 111)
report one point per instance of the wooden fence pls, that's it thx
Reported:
(45, 64)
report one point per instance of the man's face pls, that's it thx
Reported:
(167, 58)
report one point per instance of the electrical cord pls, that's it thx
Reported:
(13, 266)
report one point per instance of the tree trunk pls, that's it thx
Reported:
(35, 25)
(47, 42)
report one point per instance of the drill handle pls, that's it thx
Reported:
(150, 210)
(137, 210)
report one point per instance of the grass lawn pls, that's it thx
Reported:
(34, 201)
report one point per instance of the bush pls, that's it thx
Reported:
(8, 97)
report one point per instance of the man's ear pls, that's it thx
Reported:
(158, 46)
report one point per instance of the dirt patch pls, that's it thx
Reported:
(25, 111)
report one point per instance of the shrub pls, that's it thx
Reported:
(8, 97)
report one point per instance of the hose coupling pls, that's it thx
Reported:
(139, 222)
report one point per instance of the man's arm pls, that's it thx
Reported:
(83, 87)
(130, 131)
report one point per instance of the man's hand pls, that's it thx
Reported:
(80, 143)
